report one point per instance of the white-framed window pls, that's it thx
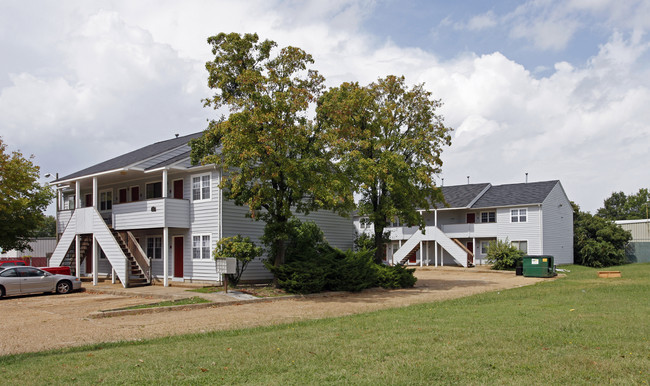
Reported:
(484, 247)
(521, 245)
(487, 217)
(153, 190)
(364, 223)
(518, 215)
(68, 202)
(201, 246)
(106, 200)
(201, 187)
(154, 247)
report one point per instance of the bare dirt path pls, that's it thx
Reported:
(44, 322)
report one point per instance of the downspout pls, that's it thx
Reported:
(95, 244)
(541, 230)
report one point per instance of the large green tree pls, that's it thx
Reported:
(268, 145)
(22, 199)
(597, 242)
(620, 206)
(388, 138)
(47, 227)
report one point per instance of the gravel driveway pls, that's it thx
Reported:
(49, 322)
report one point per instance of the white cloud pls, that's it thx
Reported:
(117, 89)
(480, 22)
(122, 74)
(548, 25)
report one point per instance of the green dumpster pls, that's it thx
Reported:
(539, 266)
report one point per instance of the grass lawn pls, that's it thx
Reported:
(574, 330)
(167, 303)
(261, 291)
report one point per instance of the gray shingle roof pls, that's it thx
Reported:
(515, 194)
(170, 160)
(460, 196)
(133, 156)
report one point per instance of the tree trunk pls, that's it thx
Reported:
(281, 249)
(379, 244)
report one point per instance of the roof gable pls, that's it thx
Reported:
(515, 194)
(136, 156)
(462, 196)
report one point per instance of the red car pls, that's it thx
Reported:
(63, 270)
(11, 263)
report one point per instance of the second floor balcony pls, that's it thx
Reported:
(156, 213)
(470, 230)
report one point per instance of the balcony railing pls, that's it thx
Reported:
(470, 230)
(157, 213)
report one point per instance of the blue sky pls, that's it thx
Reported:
(445, 28)
(558, 89)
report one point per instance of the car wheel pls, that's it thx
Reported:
(2, 292)
(63, 287)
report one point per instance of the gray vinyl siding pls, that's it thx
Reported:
(558, 226)
(235, 222)
(338, 231)
(529, 231)
(62, 219)
(204, 220)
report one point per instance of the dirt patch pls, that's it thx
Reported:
(48, 322)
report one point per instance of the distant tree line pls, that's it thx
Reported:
(598, 241)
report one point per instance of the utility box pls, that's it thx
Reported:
(539, 266)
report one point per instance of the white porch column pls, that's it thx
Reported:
(474, 250)
(113, 275)
(77, 194)
(164, 183)
(77, 255)
(442, 257)
(166, 256)
(426, 248)
(95, 200)
(435, 217)
(435, 253)
(95, 259)
(421, 253)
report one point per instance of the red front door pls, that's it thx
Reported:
(89, 200)
(178, 256)
(122, 194)
(471, 218)
(135, 193)
(178, 189)
(470, 256)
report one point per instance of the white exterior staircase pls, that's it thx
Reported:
(89, 221)
(431, 233)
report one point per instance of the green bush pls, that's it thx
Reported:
(598, 242)
(352, 271)
(242, 249)
(502, 255)
(312, 265)
(395, 276)
(301, 277)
